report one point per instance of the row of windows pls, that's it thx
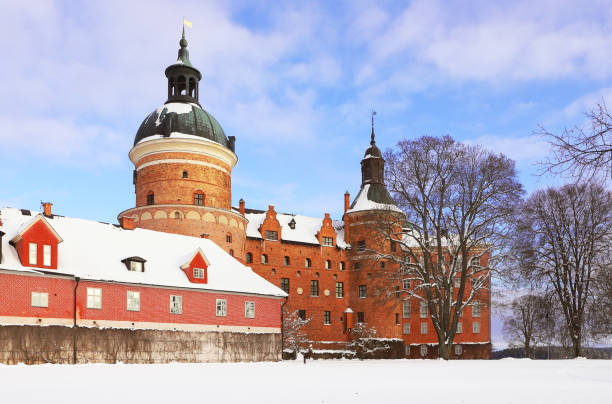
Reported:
(287, 261)
(475, 328)
(314, 287)
(423, 309)
(423, 350)
(33, 254)
(94, 301)
(198, 197)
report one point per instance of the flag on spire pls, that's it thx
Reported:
(187, 23)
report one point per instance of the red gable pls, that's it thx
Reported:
(36, 244)
(196, 268)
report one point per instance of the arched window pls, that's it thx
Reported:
(185, 174)
(342, 265)
(307, 263)
(171, 86)
(264, 259)
(231, 252)
(228, 238)
(177, 215)
(150, 198)
(327, 264)
(249, 258)
(286, 260)
(182, 86)
(198, 198)
(192, 87)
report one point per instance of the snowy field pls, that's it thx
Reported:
(341, 381)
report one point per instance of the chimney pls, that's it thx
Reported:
(270, 208)
(47, 208)
(127, 223)
(241, 204)
(347, 201)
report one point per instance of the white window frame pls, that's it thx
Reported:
(327, 241)
(94, 298)
(423, 350)
(476, 308)
(327, 264)
(198, 273)
(406, 328)
(423, 309)
(458, 349)
(364, 289)
(307, 263)
(133, 300)
(406, 309)
(423, 328)
(47, 255)
(136, 266)
(459, 327)
(33, 253)
(40, 299)
(406, 284)
(221, 307)
(176, 304)
(341, 265)
(476, 327)
(326, 317)
(249, 309)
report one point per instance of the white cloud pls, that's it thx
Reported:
(518, 148)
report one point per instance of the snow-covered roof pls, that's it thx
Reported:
(94, 250)
(306, 228)
(362, 202)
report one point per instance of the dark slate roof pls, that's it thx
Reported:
(196, 122)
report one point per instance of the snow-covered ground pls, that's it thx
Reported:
(333, 381)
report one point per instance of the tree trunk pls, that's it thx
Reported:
(444, 351)
(527, 350)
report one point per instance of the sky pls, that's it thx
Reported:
(294, 82)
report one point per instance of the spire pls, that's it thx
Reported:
(183, 53)
(372, 141)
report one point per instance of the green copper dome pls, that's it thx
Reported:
(176, 119)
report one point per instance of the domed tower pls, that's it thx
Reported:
(366, 224)
(183, 164)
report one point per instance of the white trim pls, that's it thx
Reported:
(182, 161)
(15, 320)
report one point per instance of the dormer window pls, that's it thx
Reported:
(134, 264)
(196, 268)
(198, 273)
(271, 235)
(47, 255)
(292, 224)
(37, 244)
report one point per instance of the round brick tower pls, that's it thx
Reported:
(183, 164)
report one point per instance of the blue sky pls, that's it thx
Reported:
(294, 82)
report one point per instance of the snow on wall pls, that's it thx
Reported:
(93, 250)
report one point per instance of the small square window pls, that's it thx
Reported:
(271, 235)
(302, 314)
(264, 259)
(33, 247)
(198, 273)
(47, 255)
(94, 298)
(475, 327)
(326, 317)
(40, 299)
(221, 307)
(136, 266)
(198, 199)
(406, 328)
(382, 264)
(362, 291)
(357, 266)
(249, 309)
(328, 241)
(423, 328)
(133, 301)
(249, 258)
(176, 304)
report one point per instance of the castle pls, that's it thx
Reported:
(182, 177)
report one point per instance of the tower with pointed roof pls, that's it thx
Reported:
(183, 162)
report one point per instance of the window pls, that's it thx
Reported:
(393, 246)
(177, 215)
(328, 241)
(286, 261)
(397, 320)
(221, 307)
(176, 304)
(264, 259)
(382, 264)
(151, 198)
(423, 328)
(459, 327)
(423, 350)
(397, 291)
(339, 289)
(314, 288)
(185, 174)
(33, 258)
(40, 299)
(327, 264)
(360, 317)
(476, 327)
(271, 235)
(361, 246)
(249, 309)
(307, 263)
(406, 328)
(475, 262)
(231, 252)
(406, 308)
(198, 273)
(94, 298)
(457, 283)
(285, 284)
(362, 291)
(423, 309)
(476, 308)
(249, 258)
(302, 314)
(458, 349)
(136, 266)
(342, 265)
(357, 266)
(326, 317)
(133, 301)
(228, 238)
(406, 284)
(47, 255)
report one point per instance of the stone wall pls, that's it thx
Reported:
(56, 344)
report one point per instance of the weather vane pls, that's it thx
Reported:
(373, 113)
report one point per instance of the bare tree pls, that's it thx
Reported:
(528, 324)
(293, 334)
(585, 152)
(458, 201)
(562, 239)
